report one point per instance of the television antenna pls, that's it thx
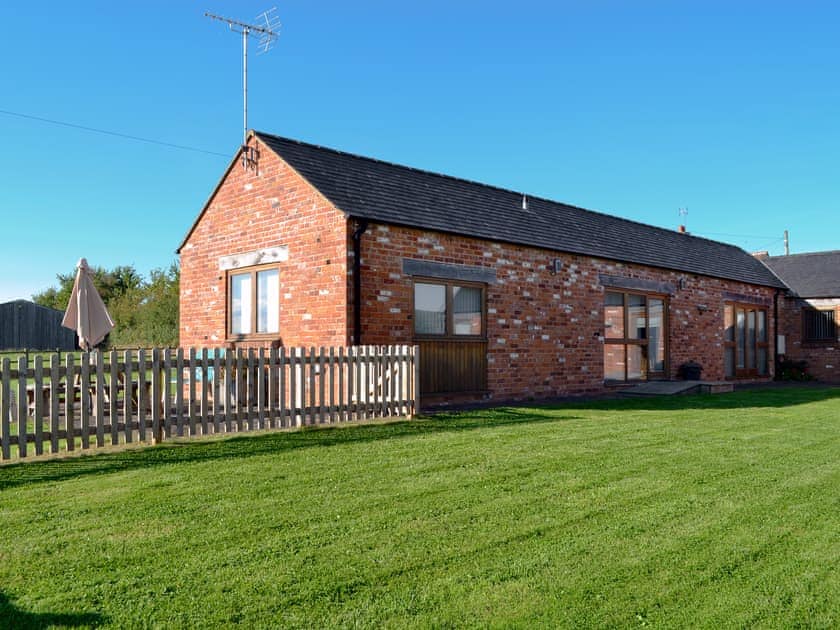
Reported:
(267, 27)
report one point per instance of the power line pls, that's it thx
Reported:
(116, 134)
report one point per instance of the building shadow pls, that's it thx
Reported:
(11, 616)
(247, 445)
(772, 396)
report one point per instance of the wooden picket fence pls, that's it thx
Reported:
(151, 395)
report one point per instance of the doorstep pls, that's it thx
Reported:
(678, 388)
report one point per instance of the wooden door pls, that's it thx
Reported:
(452, 367)
(449, 328)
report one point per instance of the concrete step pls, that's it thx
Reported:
(677, 388)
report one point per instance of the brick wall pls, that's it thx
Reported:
(544, 331)
(823, 357)
(271, 206)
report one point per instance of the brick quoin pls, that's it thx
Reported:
(544, 331)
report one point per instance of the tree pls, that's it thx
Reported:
(109, 284)
(145, 312)
(148, 315)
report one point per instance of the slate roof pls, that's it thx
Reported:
(382, 191)
(815, 275)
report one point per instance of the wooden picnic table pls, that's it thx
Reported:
(46, 394)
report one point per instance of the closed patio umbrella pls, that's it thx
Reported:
(86, 312)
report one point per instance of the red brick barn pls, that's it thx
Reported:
(507, 296)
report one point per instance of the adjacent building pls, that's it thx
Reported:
(810, 311)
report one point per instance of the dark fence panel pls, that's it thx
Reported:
(27, 325)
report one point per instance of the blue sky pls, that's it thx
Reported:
(635, 108)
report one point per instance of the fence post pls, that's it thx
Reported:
(5, 409)
(261, 395)
(113, 392)
(191, 402)
(55, 389)
(142, 395)
(128, 394)
(157, 433)
(415, 365)
(99, 389)
(166, 402)
(70, 402)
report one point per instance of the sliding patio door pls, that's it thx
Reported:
(635, 336)
(746, 345)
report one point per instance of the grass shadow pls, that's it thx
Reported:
(773, 396)
(770, 396)
(251, 445)
(12, 616)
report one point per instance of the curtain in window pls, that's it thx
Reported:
(466, 308)
(429, 309)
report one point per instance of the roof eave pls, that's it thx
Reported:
(216, 188)
(357, 215)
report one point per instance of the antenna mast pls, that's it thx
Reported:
(267, 29)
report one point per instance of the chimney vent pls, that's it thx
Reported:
(681, 230)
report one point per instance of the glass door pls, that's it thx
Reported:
(745, 341)
(634, 336)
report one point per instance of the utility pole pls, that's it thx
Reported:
(268, 35)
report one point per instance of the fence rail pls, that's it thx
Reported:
(151, 395)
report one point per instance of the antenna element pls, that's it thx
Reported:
(268, 34)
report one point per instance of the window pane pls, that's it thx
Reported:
(729, 323)
(636, 362)
(268, 301)
(466, 310)
(656, 331)
(240, 304)
(742, 339)
(729, 362)
(614, 317)
(751, 339)
(762, 326)
(636, 311)
(818, 325)
(429, 309)
(762, 361)
(613, 362)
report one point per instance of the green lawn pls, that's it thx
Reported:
(709, 511)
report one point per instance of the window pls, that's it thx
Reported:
(745, 341)
(254, 301)
(634, 336)
(451, 309)
(818, 325)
